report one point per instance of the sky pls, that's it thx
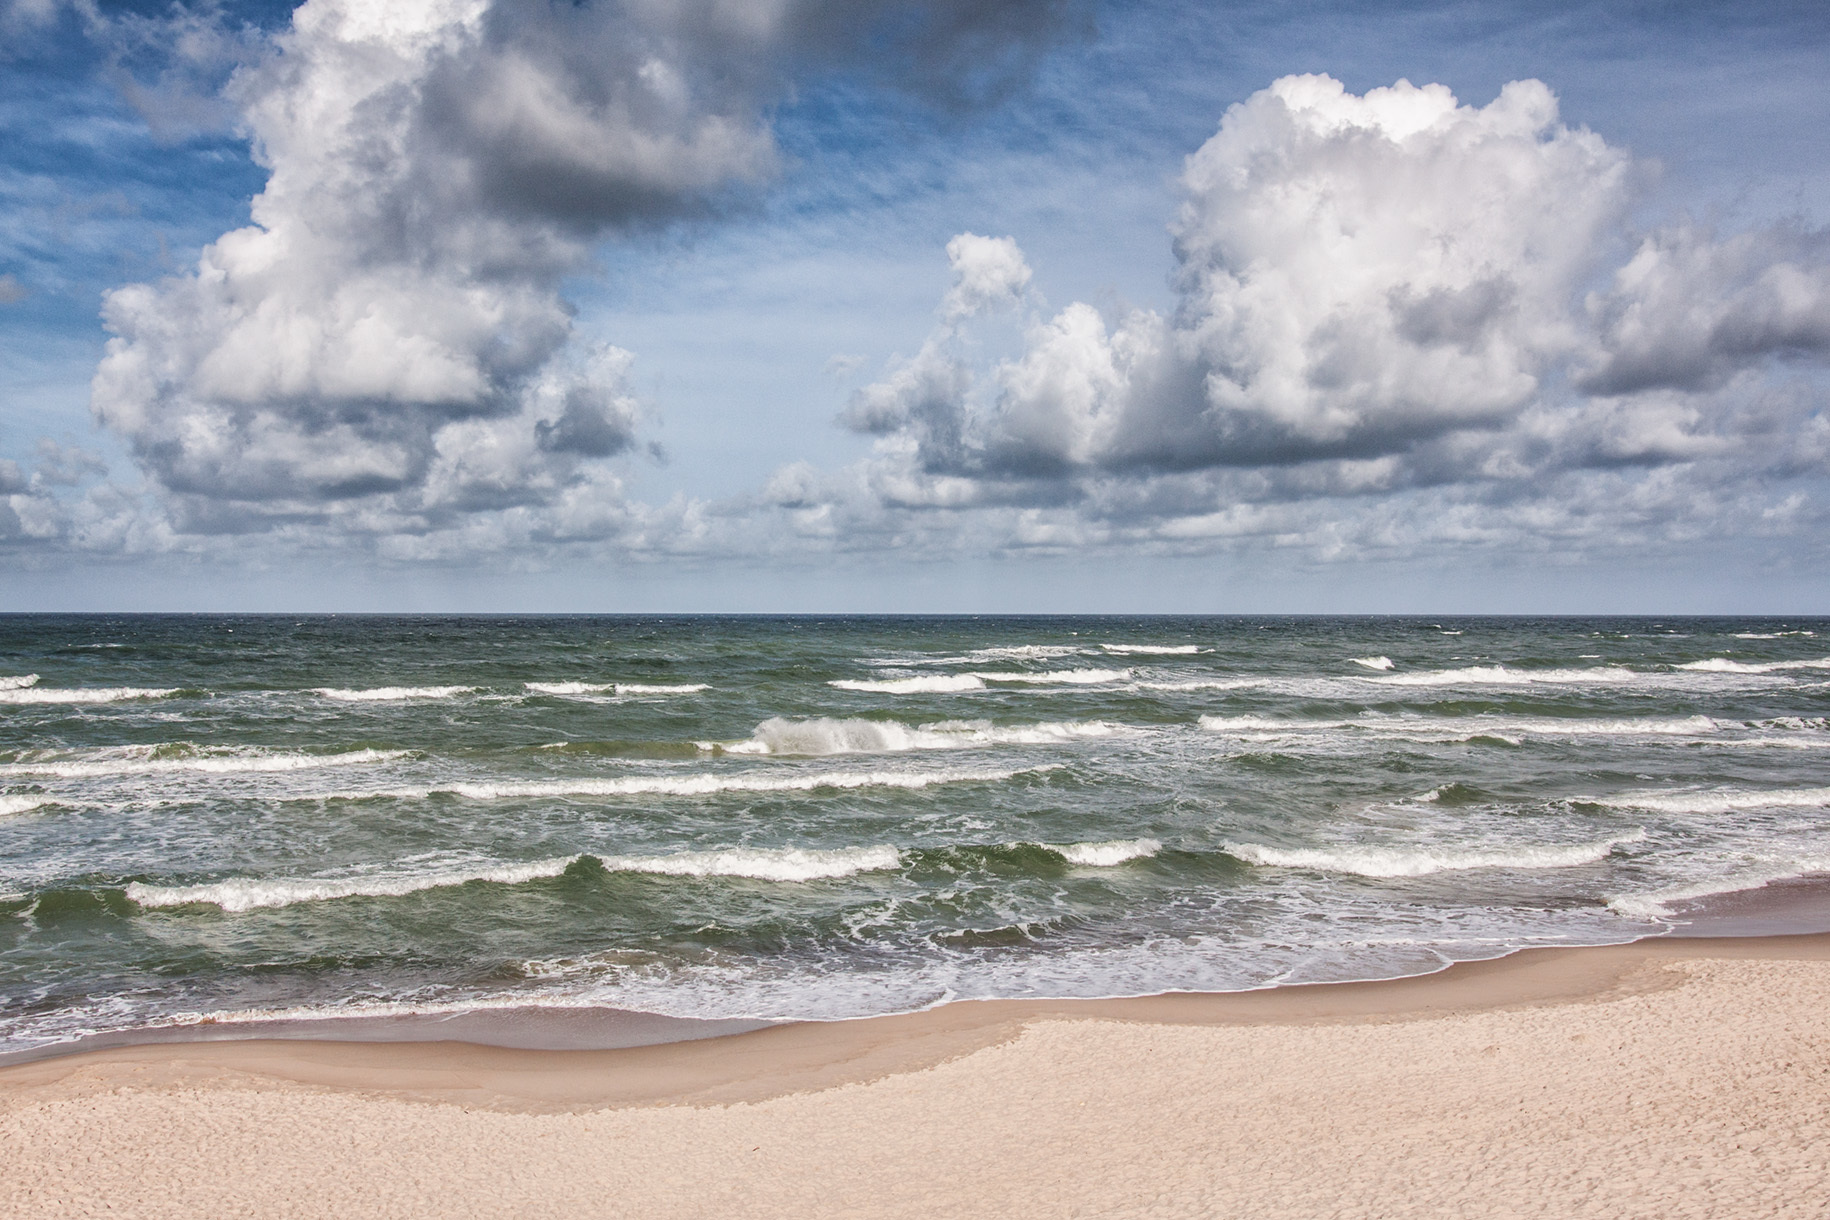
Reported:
(881, 306)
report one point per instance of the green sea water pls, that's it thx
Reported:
(237, 818)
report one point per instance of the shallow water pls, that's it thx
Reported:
(250, 817)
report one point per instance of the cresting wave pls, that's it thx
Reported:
(827, 736)
(761, 864)
(12, 803)
(1154, 650)
(18, 681)
(613, 688)
(1374, 662)
(391, 694)
(1662, 904)
(1107, 853)
(219, 764)
(1722, 665)
(33, 693)
(1419, 862)
(684, 785)
(1461, 728)
(1500, 675)
(942, 684)
(1724, 800)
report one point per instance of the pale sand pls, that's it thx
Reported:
(1665, 1079)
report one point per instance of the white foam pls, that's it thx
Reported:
(1107, 853)
(248, 893)
(1154, 650)
(1061, 677)
(1658, 904)
(1768, 635)
(1722, 665)
(931, 684)
(1023, 652)
(764, 864)
(96, 694)
(12, 803)
(689, 785)
(18, 681)
(1721, 800)
(1374, 662)
(825, 736)
(1500, 675)
(1202, 684)
(1461, 728)
(390, 694)
(139, 763)
(614, 688)
(1420, 862)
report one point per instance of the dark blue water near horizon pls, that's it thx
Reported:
(241, 817)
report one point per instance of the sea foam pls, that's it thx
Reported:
(141, 763)
(763, 864)
(95, 694)
(1108, 853)
(12, 803)
(1154, 650)
(1721, 800)
(685, 785)
(1419, 862)
(1500, 675)
(1374, 662)
(826, 736)
(927, 684)
(390, 694)
(614, 688)
(1722, 665)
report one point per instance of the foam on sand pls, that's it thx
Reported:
(827, 736)
(763, 864)
(1420, 862)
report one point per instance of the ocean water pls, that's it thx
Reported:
(233, 819)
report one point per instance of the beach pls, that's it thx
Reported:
(1671, 1077)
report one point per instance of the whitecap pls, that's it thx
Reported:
(141, 762)
(1061, 677)
(763, 864)
(1374, 662)
(1158, 650)
(826, 736)
(1721, 800)
(1722, 665)
(390, 694)
(614, 688)
(1107, 853)
(1500, 675)
(687, 785)
(14, 803)
(18, 681)
(96, 694)
(931, 684)
(1421, 861)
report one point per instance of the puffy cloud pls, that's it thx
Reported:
(1385, 331)
(386, 342)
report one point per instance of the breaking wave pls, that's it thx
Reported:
(1107, 853)
(391, 694)
(1374, 662)
(763, 864)
(1722, 800)
(1061, 677)
(1500, 675)
(928, 684)
(1420, 862)
(12, 803)
(825, 736)
(143, 763)
(1722, 665)
(1154, 650)
(32, 693)
(614, 688)
(685, 785)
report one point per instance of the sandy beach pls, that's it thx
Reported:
(1667, 1078)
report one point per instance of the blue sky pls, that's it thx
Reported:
(895, 306)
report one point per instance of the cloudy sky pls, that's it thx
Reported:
(1047, 305)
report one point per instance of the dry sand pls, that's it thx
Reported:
(1665, 1079)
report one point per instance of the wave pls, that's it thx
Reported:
(928, 684)
(14, 803)
(94, 694)
(1767, 635)
(763, 864)
(614, 688)
(1658, 904)
(1500, 675)
(1374, 662)
(1722, 665)
(1061, 677)
(390, 694)
(1023, 652)
(1154, 650)
(685, 785)
(825, 736)
(1106, 854)
(1461, 728)
(18, 681)
(1202, 684)
(144, 764)
(1420, 862)
(1722, 800)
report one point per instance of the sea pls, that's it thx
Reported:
(210, 822)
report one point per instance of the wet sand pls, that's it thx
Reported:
(1668, 1078)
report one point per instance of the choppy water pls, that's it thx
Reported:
(243, 817)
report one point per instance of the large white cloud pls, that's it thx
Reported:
(386, 344)
(1399, 318)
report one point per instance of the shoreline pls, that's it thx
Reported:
(779, 1059)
